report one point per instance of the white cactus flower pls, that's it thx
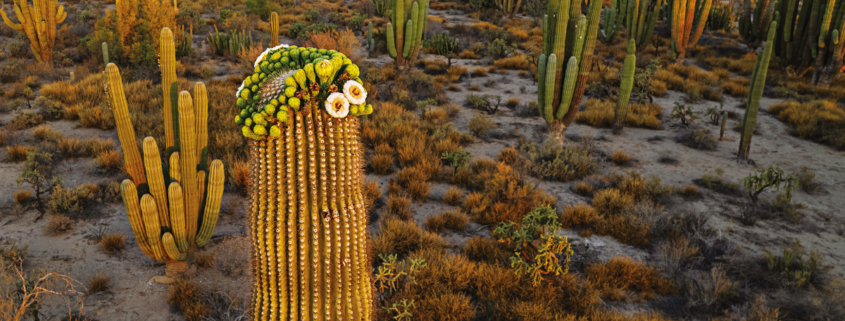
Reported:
(337, 106)
(354, 92)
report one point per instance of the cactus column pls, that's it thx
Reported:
(687, 14)
(569, 38)
(404, 34)
(625, 87)
(509, 7)
(38, 22)
(758, 81)
(307, 220)
(274, 29)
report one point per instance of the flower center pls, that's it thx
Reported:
(355, 91)
(338, 105)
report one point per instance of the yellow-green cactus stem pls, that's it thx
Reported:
(201, 117)
(136, 220)
(125, 132)
(168, 77)
(151, 226)
(175, 170)
(38, 23)
(177, 217)
(170, 247)
(188, 161)
(152, 162)
(274, 29)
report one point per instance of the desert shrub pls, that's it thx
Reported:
(706, 291)
(624, 273)
(579, 214)
(113, 243)
(805, 180)
(58, 224)
(796, 270)
(70, 200)
(372, 193)
(822, 121)
(24, 120)
(418, 190)
(601, 113)
(483, 249)
(17, 153)
(4, 138)
(620, 157)
(453, 196)
(99, 282)
(69, 147)
(95, 146)
(435, 223)
(612, 201)
(403, 237)
(204, 259)
(382, 163)
(516, 62)
(583, 188)
(399, 206)
(698, 138)
(109, 162)
(46, 133)
(560, 164)
(239, 175)
(504, 195)
(455, 220)
(188, 297)
(232, 255)
(480, 124)
(21, 196)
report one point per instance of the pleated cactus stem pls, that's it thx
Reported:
(627, 84)
(569, 39)
(754, 23)
(641, 19)
(758, 82)
(307, 219)
(405, 31)
(509, 7)
(274, 29)
(105, 53)
(687, 24)
(371, 44)
(612, 20)
(172, 206)
(38, 22)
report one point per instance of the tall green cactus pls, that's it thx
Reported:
(641, 19)
(807, 30)
(508, 7)
(105, 53)
(172, 208)
(754, 23)
(371, 44)
(568, 36)
(444, 45)
(404, 33)
(687, 14)
(758, 82)
(625, 87)
(308, 222)
(613, 17)
(38, 22)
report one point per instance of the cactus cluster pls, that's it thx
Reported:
(754, 22)
(308, 221)
(274, 29)
(38, 22)
(638, 16)
(229, 44)
(509, 7)
(685, 15)
(172, 206)
(287, 80)
(404, 34)
(627, 84)
(568, 41)
(755, 91)
(815, 25)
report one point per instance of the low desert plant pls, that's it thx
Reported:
(626, 274)
(683, 113)
(113, 243)
(583, 188)
(17, 153)
(480, 124)
(232, 256)
(187, 296)
(58, 224)
(453, 196)
(399, 206)
(99, 282)
(204, 259)
(22, 196)
(620, 157)
(690, 190)
(698, 138)
(549, 161)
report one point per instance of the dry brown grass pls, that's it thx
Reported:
(22, 196)
(658, 88)
(483, 249)
(99, 282)
(418, 190)
(480, 71)
(372, 193)
(46, 133)
(455, 73)
(453, 196)
(620, 157)
(187, 296)
(204, 259)
(515, 62)
(817, 120)
(113, 244)
(95, 146)
(504, 196)
(109, 162)
(468, 54)
(583, 188)
(399, 206)
(579, 214)
(58, 224)
(612, 201)
(690, 190)
(17, 153)
(401, 237)
(601, 113)
(69, 147)
(455, 220)
(435, 223)
(239, 175)
(623, 274)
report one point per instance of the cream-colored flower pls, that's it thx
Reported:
(337, 106)
(354, 92)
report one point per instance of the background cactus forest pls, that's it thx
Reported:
(521, 159)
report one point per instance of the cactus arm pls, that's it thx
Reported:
(168, 76)
(568, 86)
(214, 197)
(409, 40)
(178, 217)
(125, 131)
(15, 26)
(201, 117)
(201, 184)
(551, 66)
(399, 23)
(546, 40)
(420, 17)
(561, 45)
(642, 14)
(175, 169)
(652, 20)
(188, 161)
(136, 220)
(699, 29)
(825, 23)
(151, 226)
(584, 62)
(170, 247)
(626, 85)
(541, 85)
(724, 123)
(391, 42)
(155, 179)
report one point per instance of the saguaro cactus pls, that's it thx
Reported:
(569, 38)
(758, 81)
(172, 207)
(509, 7)
(274, 29)
(687, 14)
(38, 22)
(308, 223)
(625, 87)
(404, 34)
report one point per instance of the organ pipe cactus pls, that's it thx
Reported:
(641, 16)
(758, 81)
(509, 7)
(568, 41)
(687, 14)
(625, 87)
(38, 23)
(754, 23)
(404, 34)
(371, 44)
(105, 53)
(274, 29)
(811, 36)
(172, 207)
(308, 222)
(613, 17)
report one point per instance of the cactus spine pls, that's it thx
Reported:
(758, 81)
(409, 21)
(625, 87)
(687, 14)
(568, 36)
(38, 23)
(308, 223)
(178, 206)
(274, 29)
(509, 7)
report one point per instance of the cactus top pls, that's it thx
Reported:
(288, 79)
